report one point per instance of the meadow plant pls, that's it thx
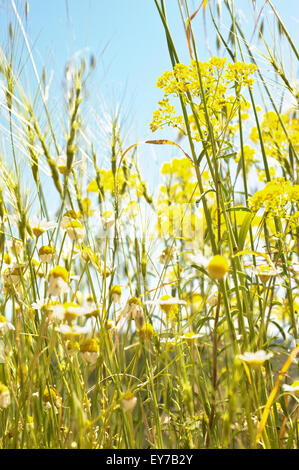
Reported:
(177, 330)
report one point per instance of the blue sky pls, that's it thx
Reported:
(127, 38)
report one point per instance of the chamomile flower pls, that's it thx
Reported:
(133, 308)
(62, 164)
(13, 274)
(146, 331)
(50, 395)
(54, 310)
(4, 396)
(115, 293)
(167, 254)
(293, 388)
(75, 230)
(68, 217)
(168, 304)
(58, 281)
(73, 332)
(5, 326)
(257, 359)
(39, 227)
(89, 350)
(265, 272)
(190, 337)
(108, 219)
(128, 401)
(46, 254)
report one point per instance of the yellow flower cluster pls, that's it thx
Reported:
(214, 78)
(277, 197)
(275, 140)
(109, 182)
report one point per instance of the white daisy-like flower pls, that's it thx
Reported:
(73, 331)
(265, 272)
(133, 308)
(58, 281)
(4, 396)
(190, 337)
(168, 304)
(257, 359)
(293, 388)
(89, 350)
(12, 274)
(75, 230)
(62, 164)
(5, 326)
(116, 292)
(128, 401)
(39, 227)
(46, 254)
(108, 219)
(15, 246)
(54, 310)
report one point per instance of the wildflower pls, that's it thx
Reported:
(73, 332)
(40, 227)
(168, 304)
(46, 254)
(257, 359)
(293, 388)
(50, 395)
(167, 254)
(265, 272)
(13, 274)
(4, 396)
(58, 281)
(89, 350)
(218, 267)
(68, 217)
(276, 197)
(190, 337)
(128, 401)
(5, 326)
(7, 259)
(36, 267)
(115, 293)
(146, 331)
(133, 308)
(54, 310)
(212, 300)
(62, 164)
(72, 347)
(16, 246)
(75, 230)
(71, 311)
(108, 219)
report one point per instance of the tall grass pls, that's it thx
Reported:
(167, 320)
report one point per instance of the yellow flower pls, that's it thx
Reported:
(218, 267)
(146, 332)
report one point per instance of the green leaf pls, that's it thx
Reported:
(244, 230)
